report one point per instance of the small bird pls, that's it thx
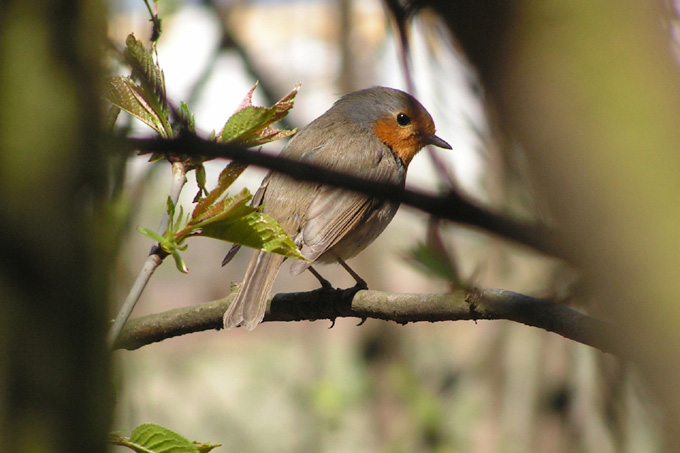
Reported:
(373, 134)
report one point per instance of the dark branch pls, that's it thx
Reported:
(451, 206)
(400, 308)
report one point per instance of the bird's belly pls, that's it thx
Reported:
(364, 234)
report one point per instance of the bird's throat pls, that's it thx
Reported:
(402, 143)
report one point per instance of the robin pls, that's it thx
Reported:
(372, 133)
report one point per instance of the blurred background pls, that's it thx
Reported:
(289, 387)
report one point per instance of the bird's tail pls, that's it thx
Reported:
(247, 310)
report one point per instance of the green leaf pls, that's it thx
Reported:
(171, 240)
(246, 123)
(224, 210)
(157, 439)
(170, 209)
(269, 134)
(144, 68)
(186, 116)
(179, 262)
(249, 227)
(168, 241)
(151, 234)
(150, 105)
(250, 125)
(227, 177)
(200, 182)
(232, 219)
(125, 94)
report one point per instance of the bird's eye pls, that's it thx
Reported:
(403, 119)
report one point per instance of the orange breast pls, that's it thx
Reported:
(401, 140)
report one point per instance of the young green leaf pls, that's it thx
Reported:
(144, 100)
(171, 241)
(200, 182)
(251, 126)
(232, 219)
(179, 261)
(157, 439)
(245, 124)
(151, 234)
(269, 134)
(227, 177)
(144, 68)
(170, 209)
(187, 117)
(252, 229)
(123, 93)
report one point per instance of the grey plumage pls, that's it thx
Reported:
(325, 222)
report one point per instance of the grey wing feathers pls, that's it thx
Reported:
(331, 215)
(333, 212)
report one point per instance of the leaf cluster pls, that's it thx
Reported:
(228, 218)
(216, 214)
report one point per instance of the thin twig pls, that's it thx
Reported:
(179, 179)
(451, 206)
(152, 262)
(155, 258)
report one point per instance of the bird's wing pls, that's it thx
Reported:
(333, 212)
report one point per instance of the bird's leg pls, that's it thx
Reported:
(324, 283)
(361, 283)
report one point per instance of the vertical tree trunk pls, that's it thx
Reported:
(54, 366)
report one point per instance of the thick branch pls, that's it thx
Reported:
(452, 206)
(401, 308)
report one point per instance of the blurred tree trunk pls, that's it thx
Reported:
(54, 365)
(592, 92)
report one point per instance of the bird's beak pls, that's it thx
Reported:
(436, 141)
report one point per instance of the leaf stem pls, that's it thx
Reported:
(179, 179)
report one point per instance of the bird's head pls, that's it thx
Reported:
(396, 118)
